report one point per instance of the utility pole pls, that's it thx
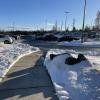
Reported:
(13, 27)
(74, 21)
(66, 20)
(91, 24)
(83, 27)
(56, 25)
(46, 25)
(37, 27)
(61, 25)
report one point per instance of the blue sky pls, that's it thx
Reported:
(33, 13)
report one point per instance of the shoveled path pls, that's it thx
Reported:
(28, 80)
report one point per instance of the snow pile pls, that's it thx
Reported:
(78, 43)
(74, 82)
(10, 53)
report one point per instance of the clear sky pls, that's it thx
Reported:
(33, 13)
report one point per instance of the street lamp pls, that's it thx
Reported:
(74, 24)
(61, 26)
(66, 20)
(83, 20)
(13, 27)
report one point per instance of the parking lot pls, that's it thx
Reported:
(28, 79)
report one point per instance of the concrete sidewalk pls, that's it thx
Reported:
(27, 80)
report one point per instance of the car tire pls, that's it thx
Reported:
(7, 42)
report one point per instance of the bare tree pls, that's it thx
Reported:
(97, 20)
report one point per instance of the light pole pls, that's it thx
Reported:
(66, 20)
(61, 26)
(45, 25)
(13, 26)
(56, 25)
(83, 20)
(74, 21)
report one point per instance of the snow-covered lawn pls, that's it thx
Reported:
(75, 82)
(78, 43)
(10, 53)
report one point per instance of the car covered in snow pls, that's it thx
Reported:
(59, 34)
(6, 39)
(15, 37)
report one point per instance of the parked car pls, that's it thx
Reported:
(47, 37)
(50, 37)
(6, 39)
(16, 37)
(67, 38)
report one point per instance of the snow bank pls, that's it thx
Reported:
(10, 53)
(78, 43)
(74, 82)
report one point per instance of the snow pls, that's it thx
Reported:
(78, 43)
(75, 82)
(10, 53)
